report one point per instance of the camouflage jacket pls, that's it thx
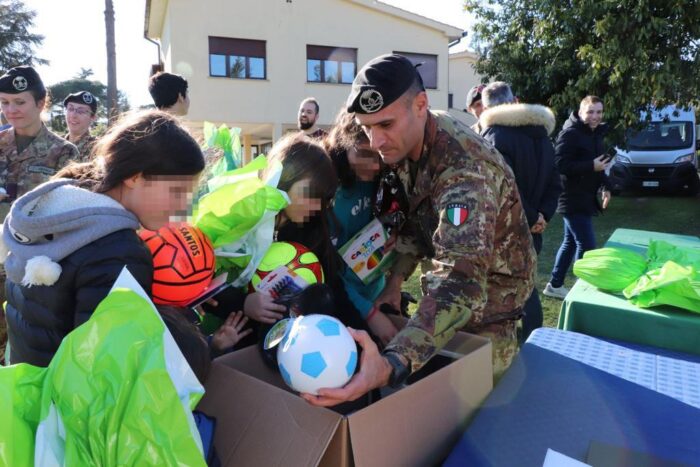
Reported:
(84, 144)
(44, 156)
(465, 216)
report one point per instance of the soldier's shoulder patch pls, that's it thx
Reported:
(457, 213)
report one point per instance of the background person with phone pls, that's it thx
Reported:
(582, 161)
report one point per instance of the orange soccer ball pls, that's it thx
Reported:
(183, 263)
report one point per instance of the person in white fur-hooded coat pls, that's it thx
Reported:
(521, 132)
(65, 242)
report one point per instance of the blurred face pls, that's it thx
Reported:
(21, 110)
(397, 130)
(302, 207)
(78, 118)
(476, 108)
(364, 162)
(591, 114)
(157, 200)
(307, 116)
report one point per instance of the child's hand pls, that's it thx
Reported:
(381, 326)
(230, 333)
(261, 307)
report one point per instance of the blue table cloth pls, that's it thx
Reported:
(565, 390)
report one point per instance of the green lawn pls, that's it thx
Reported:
(679, 215)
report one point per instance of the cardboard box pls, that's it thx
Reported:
(261, 423)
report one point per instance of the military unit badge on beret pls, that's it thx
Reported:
(371, 101)
(87, 98)
(457, 214)
(20, 83)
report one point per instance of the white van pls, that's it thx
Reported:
(661, 156)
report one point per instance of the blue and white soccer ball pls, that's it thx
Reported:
(317, 352)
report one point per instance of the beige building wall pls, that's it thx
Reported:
(264, 109)
(462, 78)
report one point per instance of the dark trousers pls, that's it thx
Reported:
(578, 239)
(532, 310)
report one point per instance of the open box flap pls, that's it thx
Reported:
(420, 423)
(259, 424)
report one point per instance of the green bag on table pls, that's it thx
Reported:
(118, 392)
(659, 252)
(671, 284)
(610, 269)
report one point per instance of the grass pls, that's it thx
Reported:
(677, 215)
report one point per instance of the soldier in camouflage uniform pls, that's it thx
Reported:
(29, 153)
(464, 215)
(81, 112)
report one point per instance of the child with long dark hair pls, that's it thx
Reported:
(310, 180)
(69, 238)
(358, 168)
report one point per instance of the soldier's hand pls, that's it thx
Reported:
(374, 373)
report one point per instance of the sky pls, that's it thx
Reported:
(77, 39)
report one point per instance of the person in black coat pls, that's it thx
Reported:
(581, 160)
(521, 132)
(66, 242)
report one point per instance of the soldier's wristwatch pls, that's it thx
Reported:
(399, 371)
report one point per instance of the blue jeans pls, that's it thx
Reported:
(578, 239)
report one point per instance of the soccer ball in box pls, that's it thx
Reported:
(317, 352)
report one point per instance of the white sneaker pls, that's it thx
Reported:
(555, 292)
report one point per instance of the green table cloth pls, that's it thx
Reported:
(590, 311)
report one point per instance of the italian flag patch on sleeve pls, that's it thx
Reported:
(457, 214)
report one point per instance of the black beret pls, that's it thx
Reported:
(82, 97)
(380, 82)
(20, 79)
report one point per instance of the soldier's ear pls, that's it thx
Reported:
(420, 103)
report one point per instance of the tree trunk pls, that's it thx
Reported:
(112, 107)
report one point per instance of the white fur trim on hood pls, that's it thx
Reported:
(519, 115)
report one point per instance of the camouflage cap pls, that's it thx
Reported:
(82, 97)
(380, 82)
(20, 79)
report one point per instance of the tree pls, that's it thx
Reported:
(60, 90)
(16, 42)
(84, 73)
(111, 62)
(632, 53)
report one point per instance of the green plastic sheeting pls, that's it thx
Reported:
(660, 252)
(228, 140)
(117, 392)
(20, 406)
(238, 215)
(671, 284)
(610, 269)
(669, 275)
